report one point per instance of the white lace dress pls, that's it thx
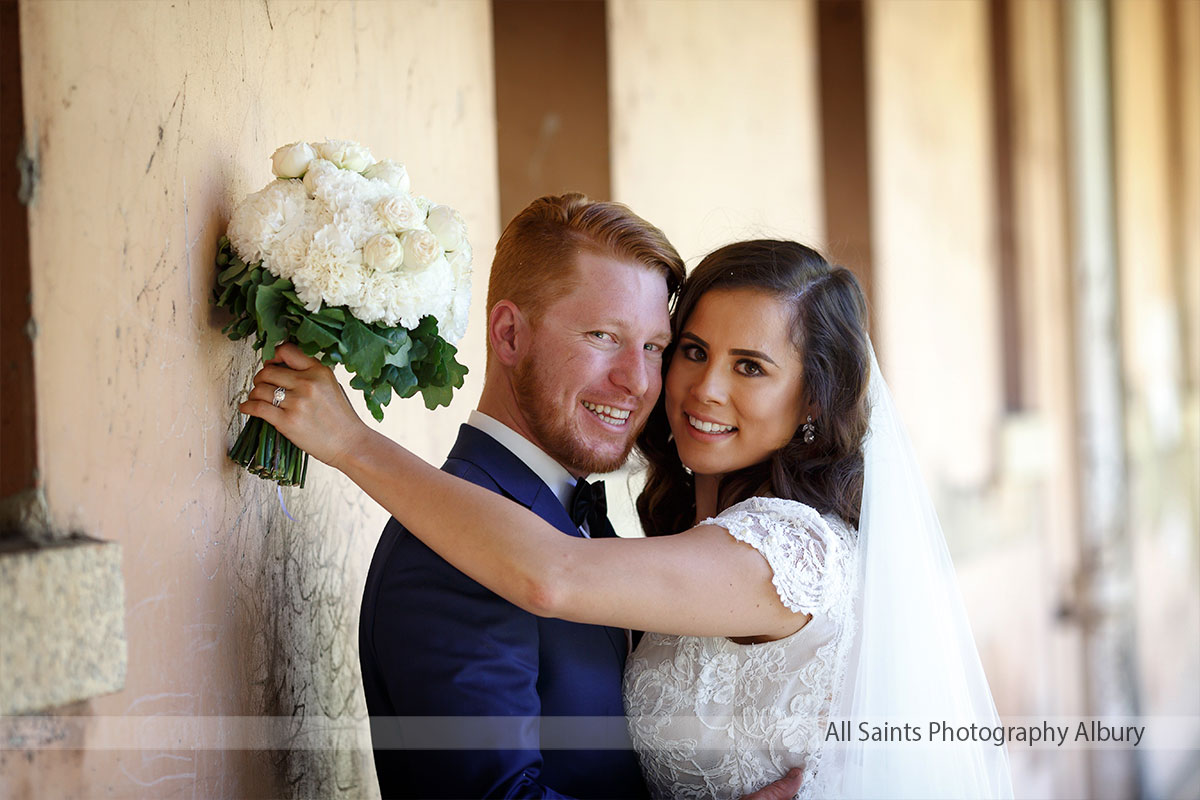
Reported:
(710, 718)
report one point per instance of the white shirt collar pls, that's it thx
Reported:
(550, 471)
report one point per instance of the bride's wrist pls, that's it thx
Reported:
(356, 445)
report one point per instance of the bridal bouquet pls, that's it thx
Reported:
(339, 257)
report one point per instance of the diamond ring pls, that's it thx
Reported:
(280, 393)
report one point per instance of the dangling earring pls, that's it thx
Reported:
(808, 431)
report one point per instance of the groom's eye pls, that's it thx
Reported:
(603, 335)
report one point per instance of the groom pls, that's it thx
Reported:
(577, 324)
(469, 695)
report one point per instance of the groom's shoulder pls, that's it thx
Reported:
(469, 471)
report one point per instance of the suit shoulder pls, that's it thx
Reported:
(468, 471)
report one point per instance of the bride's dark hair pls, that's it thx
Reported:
(829, 330)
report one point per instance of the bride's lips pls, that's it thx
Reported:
(705, 429)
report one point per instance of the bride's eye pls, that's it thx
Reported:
(750, 368)
(692, 352)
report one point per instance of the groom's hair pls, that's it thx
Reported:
(535, 257)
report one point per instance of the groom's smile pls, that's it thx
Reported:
(593, 370)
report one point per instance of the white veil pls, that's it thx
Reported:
(912, 658)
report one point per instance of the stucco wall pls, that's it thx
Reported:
(148, 122)
(714, 138)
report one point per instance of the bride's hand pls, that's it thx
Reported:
(783, 789)
(314, 414)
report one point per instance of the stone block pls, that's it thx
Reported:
(62, 623)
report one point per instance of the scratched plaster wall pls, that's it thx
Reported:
(148, 122)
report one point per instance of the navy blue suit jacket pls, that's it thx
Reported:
(436, 645)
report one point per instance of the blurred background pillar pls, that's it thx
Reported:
(1104, 605)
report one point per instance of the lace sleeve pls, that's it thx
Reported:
(805, 553)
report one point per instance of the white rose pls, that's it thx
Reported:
(447, 225)
(347, 155)
(383, 252)
(292, 160)
(391, 173)
(400, 213)
(421, 249)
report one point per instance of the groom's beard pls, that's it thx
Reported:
(557, 429)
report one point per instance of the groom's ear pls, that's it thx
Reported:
(508, 333)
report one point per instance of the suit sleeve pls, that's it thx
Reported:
(465, 660)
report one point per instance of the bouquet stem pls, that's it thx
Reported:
(265, 452)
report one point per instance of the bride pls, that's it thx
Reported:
(809, 602)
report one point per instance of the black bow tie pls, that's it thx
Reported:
(589, 504)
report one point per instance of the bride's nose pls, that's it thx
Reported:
(710, 386)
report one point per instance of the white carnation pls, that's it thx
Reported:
(332, 258)
(292, 160)
(421, 250)
(347, 155)
(448, 226)
(421, 293)
(318, 168)
(460, 263)
(259, 219)
(391, 173)
(289, 253)
(454, 327)
(338, 189)
(371, 306)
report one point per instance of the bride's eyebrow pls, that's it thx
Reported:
(754, 354)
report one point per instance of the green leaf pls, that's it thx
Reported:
(365, 352)
(418, 352)
(435, 396)
(401, 379)
(399, 358)
(223, 299)
(227, 275)
(457, 372)
(269, 306)
(426, 328)
(310, 332)
(242, 329)
(332, 313)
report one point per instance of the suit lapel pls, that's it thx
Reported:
(520, 483)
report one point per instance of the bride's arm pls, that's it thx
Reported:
(701, 582)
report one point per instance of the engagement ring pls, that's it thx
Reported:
(280, 393)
